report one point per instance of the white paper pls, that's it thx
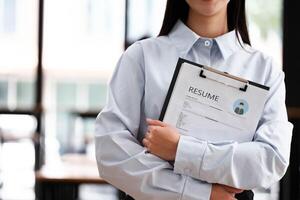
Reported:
(213, 108)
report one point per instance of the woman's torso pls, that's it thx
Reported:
(160, 55)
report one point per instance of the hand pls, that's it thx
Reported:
(223, 192)
(161, 139)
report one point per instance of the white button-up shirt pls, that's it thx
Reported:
(137, 91)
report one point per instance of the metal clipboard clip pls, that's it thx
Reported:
(244, 89)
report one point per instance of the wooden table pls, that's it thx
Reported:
(62, 180)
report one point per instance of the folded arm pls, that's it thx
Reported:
(248, 165)
(121, 159)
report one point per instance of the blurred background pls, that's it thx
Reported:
(56, 57)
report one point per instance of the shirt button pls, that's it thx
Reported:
(207, 43)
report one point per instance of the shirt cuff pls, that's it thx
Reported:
(196, 190)
(189, 156)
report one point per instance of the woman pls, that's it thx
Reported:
(209, 32)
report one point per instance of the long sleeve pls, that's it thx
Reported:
(248, 165)
(121, 159)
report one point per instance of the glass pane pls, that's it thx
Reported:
(25, 94)
(265, 26)
(97, 96)
(9, 16)
(83, 41)
(66, 102)
(64, 131)
(145, 18)
(18, 36)
(3, 93)
(84, 37)
(66, 96)
(18, 50)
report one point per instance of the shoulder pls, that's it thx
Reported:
(151, 51)
(152, 44)
(140, 52)
(265, 64)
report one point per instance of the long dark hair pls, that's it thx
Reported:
(236, 17)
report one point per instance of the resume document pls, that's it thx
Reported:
(211, 105)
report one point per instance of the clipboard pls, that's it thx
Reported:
(211, 121)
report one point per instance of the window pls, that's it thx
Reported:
(82, 43)
(8, 19)
(89, 34)
(265, 27)
(145, 18)
(18, 50)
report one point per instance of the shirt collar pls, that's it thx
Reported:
(228, 43)
(184, 38)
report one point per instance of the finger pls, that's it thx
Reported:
(154, 129)
(145, 142)
(232, 189)
(156, 122)
(157, 129)
(147, 145)
(151, 128)
(148, 135)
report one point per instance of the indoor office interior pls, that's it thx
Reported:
(56, 57)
